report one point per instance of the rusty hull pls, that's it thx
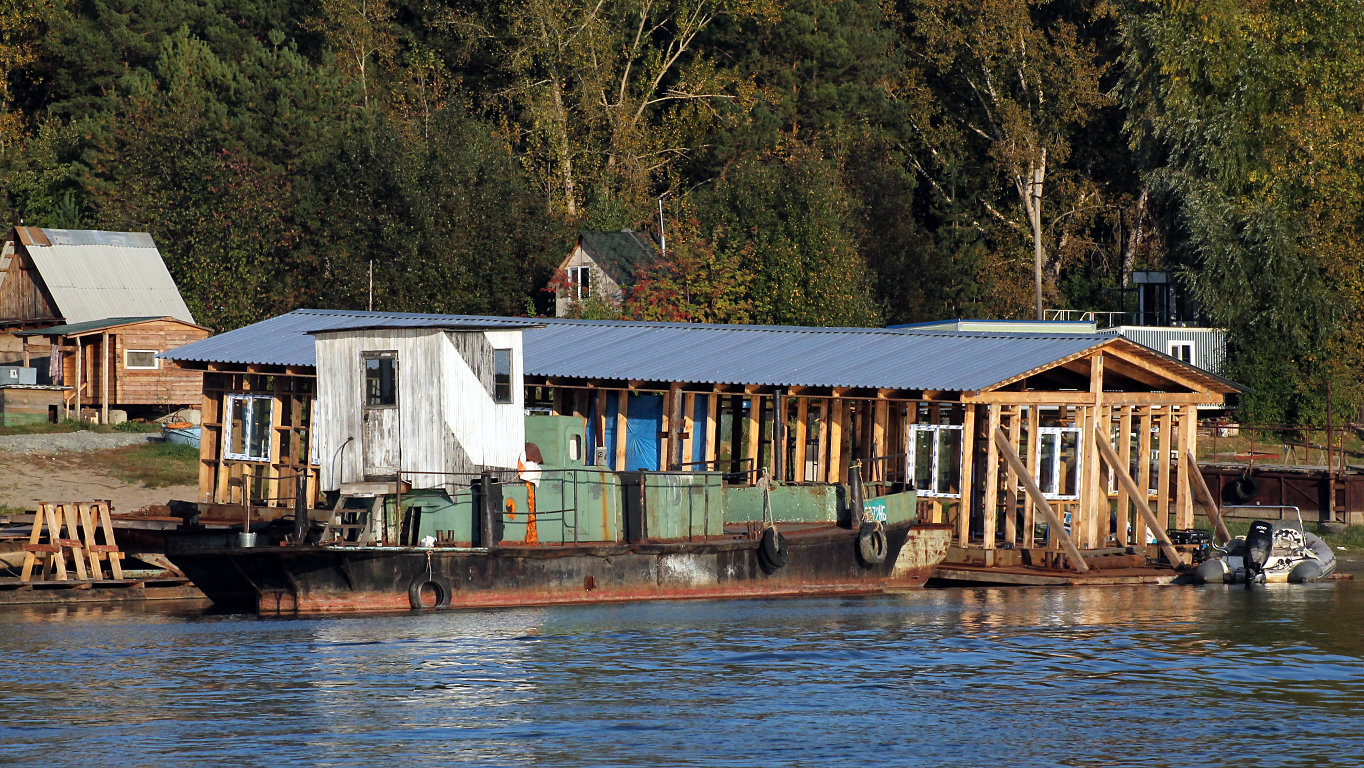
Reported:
(334, 578)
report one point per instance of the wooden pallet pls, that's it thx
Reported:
(71, 529)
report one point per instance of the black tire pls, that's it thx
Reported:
(773, 549)
(871, 544)
(1246, 488)
(427, 593)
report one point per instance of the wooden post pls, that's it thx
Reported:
(1163, 467)
(989, 508)
(968, 488)
(1029, 518)
(1077, 560)
(779, 403)
(1144, 427)
(1125, 456)
(105, 354)
(1111, 457)
(712, 430)
(878, 438)
(622, 405)
(802, 417)
(1079, 519)
(80, 367)
(822, 446)
(599, 423)
(755, 431)
(736, 432)
(1188, 426)
(688, 450)
(835, 419)
(1101, 508)
(1011, 481)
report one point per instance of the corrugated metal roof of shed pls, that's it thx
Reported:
(862, 357)
(287, 340)
(93, 275)
(763, 355)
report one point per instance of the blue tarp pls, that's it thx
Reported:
(643, 423)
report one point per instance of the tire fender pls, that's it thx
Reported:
(871, 544)
(773, 550)
(417, 592)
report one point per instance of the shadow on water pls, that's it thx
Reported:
(956, 677)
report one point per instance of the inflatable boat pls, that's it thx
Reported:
(1294, 556)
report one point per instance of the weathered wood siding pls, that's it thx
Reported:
(165, 385)
(600, 281)
(22, 299)
(448, 426)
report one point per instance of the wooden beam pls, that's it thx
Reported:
(802, 417)
(1206, 500)
(673, 449)
(1039, 500)
(990, 500)
(1029, 516)
(968, 488)
(755, 431)
(1144, 425)
(1111, 457)
(1030, 397)
(836, 422)
(1188, 424)
(1125, 456)
(104, 354)
(880, 425)
(688, 451)
(1163, 468)
(1163, 372)
(712, 430)
(1011, 479)
(622, 406)
(822, 443)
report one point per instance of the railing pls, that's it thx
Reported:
(1277, 444)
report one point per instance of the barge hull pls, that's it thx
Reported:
(332, 578)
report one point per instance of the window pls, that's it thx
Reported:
(580, 282)
(935, 459)
(248, 427)
(1058, 462)
(502, 376)
(140, 358)
(1181, 350)
(381, 380)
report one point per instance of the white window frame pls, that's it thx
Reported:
(580, 277)
(248, 423)
(910, 464)
(156, 361)
(1173, 344)
(1055, 434)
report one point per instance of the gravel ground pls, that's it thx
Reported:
(71, 441)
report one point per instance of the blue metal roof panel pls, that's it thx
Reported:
(286, 339)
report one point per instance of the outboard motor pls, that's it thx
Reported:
(1259, 543)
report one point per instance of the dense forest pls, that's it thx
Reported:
(824, 162)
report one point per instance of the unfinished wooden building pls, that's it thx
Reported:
(1000, 433)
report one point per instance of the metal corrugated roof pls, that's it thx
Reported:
(72, 329)
(93, 275)
(287, 340)
(730, 354)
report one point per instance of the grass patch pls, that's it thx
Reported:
(154, 465)
(1353, 538)
(49, 428)
(8, 511)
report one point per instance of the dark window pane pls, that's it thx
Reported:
(502, 376)
(381, 381)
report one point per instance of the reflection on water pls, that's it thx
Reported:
(1101, 676)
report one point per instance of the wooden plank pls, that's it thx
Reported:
(1188, 425)
(1125, 456)
(1163, 468)
(688, 450)
(1058, 530)
(836, 421)
(104, 512)
(1111, 457)
(1100, 514)
(622, 405)
(87, 531)
(105, 354)
(822, 442)
(71, 540)
(34, 536)
(755, 432)
(1029, 509)
(968, 488)
(802, 419)
(1011, 479)
(990, 502)
(878, 438)
(599, 423)
(712, 430)
(1144, 427)
(1206, 500)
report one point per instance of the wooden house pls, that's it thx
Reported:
(1022, 441)
(90, 310)
(602, 264)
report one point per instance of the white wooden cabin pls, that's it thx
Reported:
(431, 405)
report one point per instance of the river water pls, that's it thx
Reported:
(1142, 676)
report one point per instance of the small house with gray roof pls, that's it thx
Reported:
(1004, 435)
(602, 264)
(88, 312)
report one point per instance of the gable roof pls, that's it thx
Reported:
(619, 254)
(105, 324)
(92, 274)
(873, 358)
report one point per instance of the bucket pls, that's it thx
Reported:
(245, 539)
